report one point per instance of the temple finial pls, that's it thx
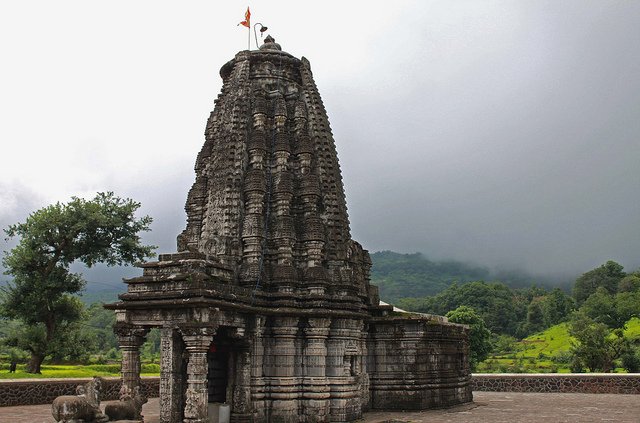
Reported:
(270, 44)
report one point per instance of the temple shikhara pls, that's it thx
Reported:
(266, 306)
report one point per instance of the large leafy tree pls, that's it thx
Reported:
(596, 346)
(630, 283)
(479, 336)
(612, 310)
(101, 230)
(607, 276)
(556, 307)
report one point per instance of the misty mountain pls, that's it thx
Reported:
(414, 275)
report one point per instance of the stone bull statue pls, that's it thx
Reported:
(81, 408)
(129, 407)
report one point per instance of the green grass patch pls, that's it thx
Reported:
(76, 371)
(551, 342)
(632, 330)
(543, 352)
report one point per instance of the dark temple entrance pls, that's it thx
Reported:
(219, 369)
(221, 372)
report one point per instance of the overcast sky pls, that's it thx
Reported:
(506, 133)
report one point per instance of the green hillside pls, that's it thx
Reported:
(413, 275)
(547, 351)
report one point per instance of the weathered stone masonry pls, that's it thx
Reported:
(586, 383)
(44, 391)
(35, 391)
(267, 304)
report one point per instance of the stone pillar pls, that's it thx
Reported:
(315, 351)
(316, 392)
(242, 411)
(256, 337)
(280, 363)
(364, 368)
(197, 341)
(344, 366)
(130, 338)
(171, 378)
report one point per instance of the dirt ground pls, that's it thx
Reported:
(488, 407)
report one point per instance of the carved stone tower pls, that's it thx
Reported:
(267, 305)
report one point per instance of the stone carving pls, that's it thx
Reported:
(129, 407)
(195, 404)
(83, 408)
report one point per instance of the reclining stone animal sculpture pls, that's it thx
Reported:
(129, 407)
(81, 408)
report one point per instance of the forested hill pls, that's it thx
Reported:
(414, 275)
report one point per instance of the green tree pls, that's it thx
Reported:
(479, 335)
(607, 276)
(630, 283)
(556, 307)
(627, 306)
(596, 346)
(631, 360)
(101, 322)
(601, 308)
(504, 344)
(500, 307)
(101, 230)
(612, 310)
(535, 316)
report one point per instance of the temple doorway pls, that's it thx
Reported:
(218, 375)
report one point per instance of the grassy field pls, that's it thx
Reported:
(544, 352)
(73, 371)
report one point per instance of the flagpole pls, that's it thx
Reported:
(249, 38)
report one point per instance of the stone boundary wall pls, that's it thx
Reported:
(587, 383)
(44, 391)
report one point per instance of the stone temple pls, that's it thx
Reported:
(267, 305)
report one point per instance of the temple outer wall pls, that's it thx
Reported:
(417, 364)
(44, 391)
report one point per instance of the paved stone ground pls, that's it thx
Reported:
(488, 407)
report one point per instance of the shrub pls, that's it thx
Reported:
(631, 361)
(150, 368)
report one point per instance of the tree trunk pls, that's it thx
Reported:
(33, 366)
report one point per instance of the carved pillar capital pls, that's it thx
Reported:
(130, 336)
(317, 328)
(197, 338)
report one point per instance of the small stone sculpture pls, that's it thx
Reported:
(81, 408)
(129, 407)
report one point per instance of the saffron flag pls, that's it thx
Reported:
(247, 19)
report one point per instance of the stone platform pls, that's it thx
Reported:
(496, 407)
